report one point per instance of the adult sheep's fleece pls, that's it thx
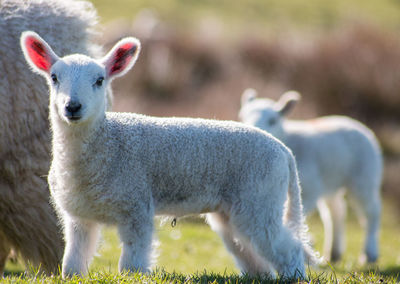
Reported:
(28, 223)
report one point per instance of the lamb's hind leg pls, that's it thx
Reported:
(246, 258)
(81, 240)
(261, 224)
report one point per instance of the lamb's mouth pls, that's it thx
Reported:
(73, 117)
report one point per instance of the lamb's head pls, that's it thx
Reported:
(265, 113)
(78, 84)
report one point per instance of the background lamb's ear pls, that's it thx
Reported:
(121, 57)
(248, 95)
(287, 101)
(37, 52)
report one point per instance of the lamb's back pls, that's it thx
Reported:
(182, 157)
(197, 142)
(333, 147)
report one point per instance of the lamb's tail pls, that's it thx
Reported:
(294, 216)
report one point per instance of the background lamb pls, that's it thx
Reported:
(27, 221)
(333, 153)
(122, 169)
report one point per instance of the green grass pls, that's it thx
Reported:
(191, 252)
(276, 15)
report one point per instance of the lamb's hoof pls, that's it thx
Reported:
(368, 259)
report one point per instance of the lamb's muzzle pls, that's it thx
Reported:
(72, 108)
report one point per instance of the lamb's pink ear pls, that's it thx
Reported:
(37, 52)
(121, 57)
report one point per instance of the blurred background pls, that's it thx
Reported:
(198, 56)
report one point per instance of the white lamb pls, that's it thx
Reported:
(333, 153)
(122, 169)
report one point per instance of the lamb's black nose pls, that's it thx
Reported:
(73, 106)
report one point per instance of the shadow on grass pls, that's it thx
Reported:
(31, 272)
(207, 277)
(372, 271)
(390, 271)
(13, 273)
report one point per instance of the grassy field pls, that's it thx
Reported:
(191, 252)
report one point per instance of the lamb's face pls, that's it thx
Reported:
(262, 113)
(78, 89)
(77, 82)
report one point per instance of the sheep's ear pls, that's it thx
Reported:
(248, 95)
(121, 57)
(287, 101)
(37, 52)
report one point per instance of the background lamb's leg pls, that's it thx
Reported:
(326, 219)
(369, 208)
(81, 240)
(338, 209)
(372, 210)
(136, 238)
(245, 256)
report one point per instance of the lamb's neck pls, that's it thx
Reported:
(70, 142)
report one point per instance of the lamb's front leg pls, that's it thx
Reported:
(136, 237)
(81, 240)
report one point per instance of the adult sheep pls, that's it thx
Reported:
(333, 154)
(124, 168)
(28, 223)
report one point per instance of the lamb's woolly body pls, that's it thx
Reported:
(135, 165)
(123, 169)
(332, 153)
(27, 221)
(187, 164)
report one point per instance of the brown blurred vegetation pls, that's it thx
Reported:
(354, 71)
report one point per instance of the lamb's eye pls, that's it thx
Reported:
(99, 81)
(54, 78)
